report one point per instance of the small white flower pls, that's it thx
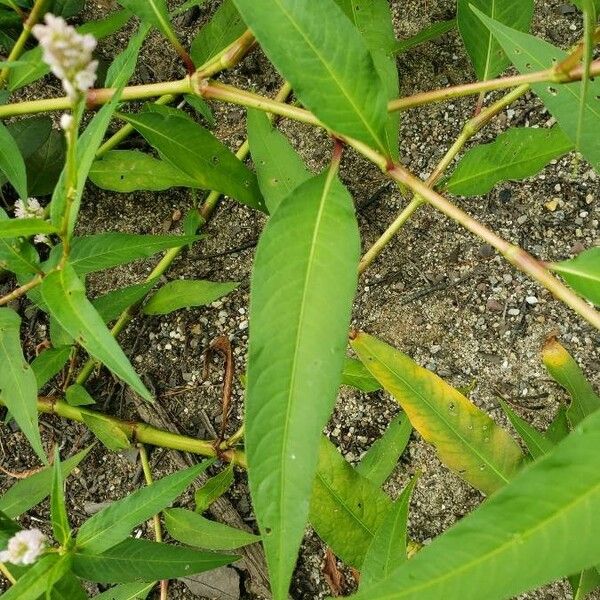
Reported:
(68, 54)
(24, 547)
(66, 121)
(30, 209)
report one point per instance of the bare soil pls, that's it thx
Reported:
(436, 292)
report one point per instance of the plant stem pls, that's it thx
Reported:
(96, 97)
(515, 255)
(16, 51)
(138, 431)
(158, 536)
(70, 183)
(469, 89)
(471, 127)
(21, 290)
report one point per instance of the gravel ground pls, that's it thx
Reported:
(436, 292)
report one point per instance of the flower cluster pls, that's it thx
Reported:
(24, 547)
(31, 209)
(68, 53)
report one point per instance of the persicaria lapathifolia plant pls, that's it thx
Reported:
(340, 63)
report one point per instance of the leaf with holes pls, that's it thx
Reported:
(487, 56)
(330, 69)
(530, 54)
(197, 153)
(128, 171)
(279, 168)
(300, 303)
(465, 438)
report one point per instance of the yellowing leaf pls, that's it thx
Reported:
(466, 439)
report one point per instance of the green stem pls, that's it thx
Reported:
(21, 290)
(16, 51)
(141, 432)
(96, 97)
(470, 128)
(70, 183)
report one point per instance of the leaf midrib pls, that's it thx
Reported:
(294, 372)
(485, 557)
(442, 417)
(340, 85)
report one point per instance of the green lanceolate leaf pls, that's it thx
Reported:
(582, 273)
(11, 162)
(486, 53)
(585, 582)
(105, 250)
(156, 13)
(185, 293)
(431, 32)
(225, 26)
(515, 154)
(107, 431)
(213, 488)
(11, 228)
(127, 591)
(331, 68)
(346, 509)
(68, 587)
(563, 369)
(58, 510)
(18, 387)
(195, 530)
(382, 457)
(279, 168)
(536, 442)
(356, 375)
(465, 438)
(128, 171)
(301, 296)
(49, 363)
(112, 304)
(34, 582)
(514, 528)
(113, 524)
(529, 54)
(388, 548)
(373, 20)
(559, 429)
(127, 59)
(26, 493)
(77, 395)
(197, 153)
(64, 295)
(134, 560)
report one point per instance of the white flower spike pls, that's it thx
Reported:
(68, 54)
(24, 547)
(30, 209)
